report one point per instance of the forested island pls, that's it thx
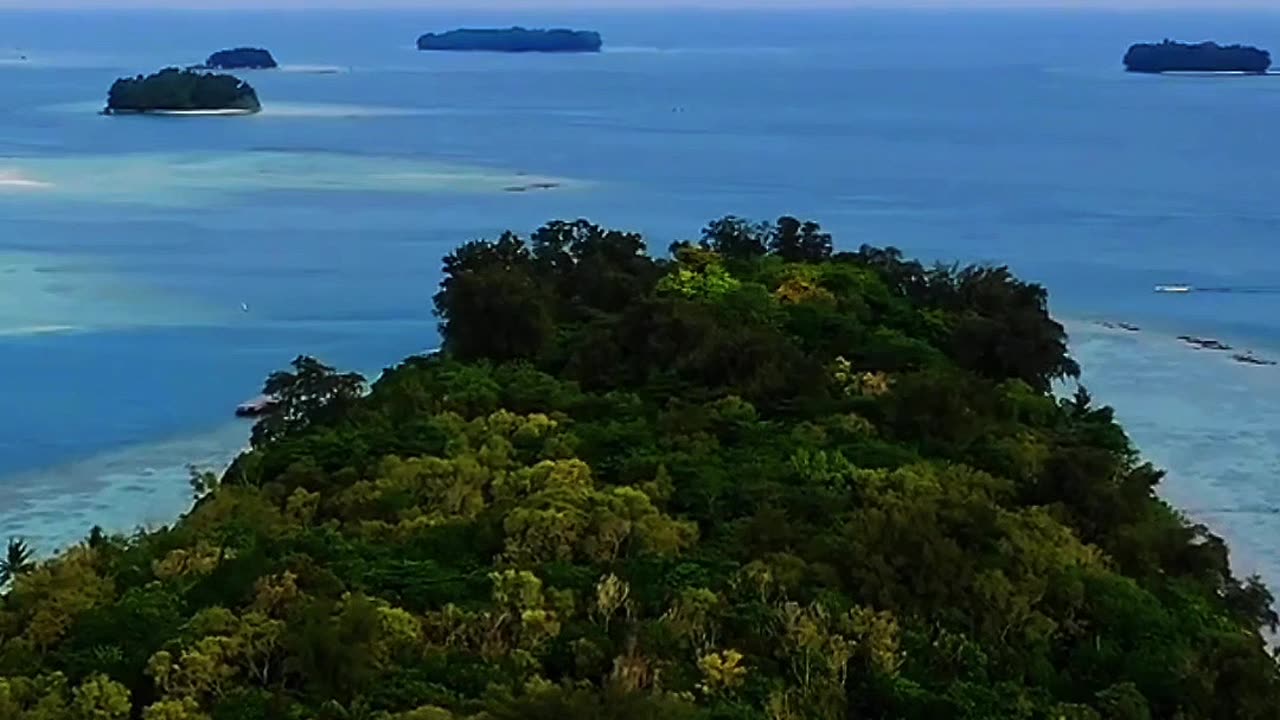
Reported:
(1170, 56)
(515, 40)
(755, 480)
(241, 58)
(177, 91)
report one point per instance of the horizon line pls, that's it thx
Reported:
(1109, 6)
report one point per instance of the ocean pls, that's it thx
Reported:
(130, 247)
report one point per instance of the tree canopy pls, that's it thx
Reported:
(756, 480)
(174, 89)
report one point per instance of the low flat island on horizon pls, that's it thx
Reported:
(1171, 56)
(241, 58)
(514, 40)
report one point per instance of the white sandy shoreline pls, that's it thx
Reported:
(184, 113)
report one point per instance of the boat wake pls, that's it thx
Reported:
(313, 69)
(335, 110)
(1241, 290)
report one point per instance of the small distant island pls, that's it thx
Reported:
(514, 40)
(241, 58)
(1170, 56)
(182, 92)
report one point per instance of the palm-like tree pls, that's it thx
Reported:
(17, 560)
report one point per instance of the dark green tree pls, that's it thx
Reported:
(18, 559)
(796, 241)
(311, 392)
(490, 303)
(735, 238)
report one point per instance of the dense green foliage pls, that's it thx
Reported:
(174, 89)
(757, 481)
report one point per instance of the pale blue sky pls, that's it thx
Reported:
(595, 4)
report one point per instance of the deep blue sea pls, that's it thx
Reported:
(128, 245)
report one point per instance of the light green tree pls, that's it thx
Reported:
(100, 698)
(174, 709)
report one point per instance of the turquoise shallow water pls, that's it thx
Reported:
(1210, 421)
(127, 245)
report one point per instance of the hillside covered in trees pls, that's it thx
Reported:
(758, 480)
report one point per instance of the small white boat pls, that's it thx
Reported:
(1173, 288)
(256, 407)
